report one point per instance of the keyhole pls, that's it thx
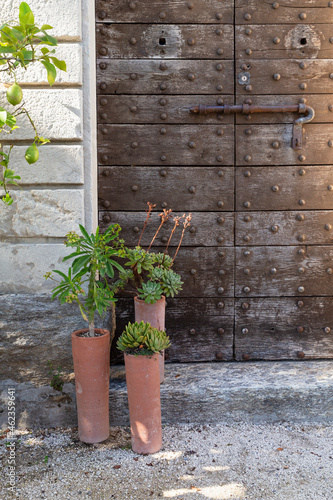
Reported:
(303, 41)
(162, 41)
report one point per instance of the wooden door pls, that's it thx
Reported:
(256, 263)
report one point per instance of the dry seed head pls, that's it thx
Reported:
(165, 215)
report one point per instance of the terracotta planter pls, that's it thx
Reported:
(91, 356)
(155, 315)
(143, 389)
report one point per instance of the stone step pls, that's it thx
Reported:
(257, 392)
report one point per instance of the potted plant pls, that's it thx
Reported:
(142, 345)
(151, 276)
(86, 285)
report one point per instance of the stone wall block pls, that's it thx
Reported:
(57, 164)
(36, 73)
(57, 114)
(38, 213)
(63, 15)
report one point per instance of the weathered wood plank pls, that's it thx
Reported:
(171, 77)
(288, 11)
(271, 145)
(285, 188)
(210, 229)
(271, 41)
(204, 315)
(321, 103)
(283, 76)
(167, 145)
(140, 41)
(157, 11)
(163, 109)
(280, 328)
(284, 228)
(178, 188)
(284, 271)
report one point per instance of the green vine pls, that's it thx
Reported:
(21, 45)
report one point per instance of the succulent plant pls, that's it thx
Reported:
(150, 292)
(142, 338)
(133, 336)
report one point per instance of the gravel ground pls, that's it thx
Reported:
(240, 461)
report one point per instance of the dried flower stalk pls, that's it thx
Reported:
(151, 207)
(186, 224)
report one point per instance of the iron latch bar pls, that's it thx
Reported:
(248, 109)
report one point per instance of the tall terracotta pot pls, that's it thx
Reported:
(91, 356)
(144, 401)
(155, 315)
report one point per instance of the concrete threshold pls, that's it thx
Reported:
(256, 392)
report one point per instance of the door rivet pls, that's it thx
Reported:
(132, 41)
(104, 131)
(192, 189)
(135, 188)
(248, 88)
(247, 204)
(275, 189)
(277, 76)
(301, 270)
(302, 171)
(302, 158)
(220, 331)
(102, 14)
(219, 87)
(219, 67)
(330, 187)
(273, 270)
(106, 218)
(219, 355)
(331, 39)
(327, 329)
(220, 204)
(132, 5)
(275, 5)
(247, 17)
(190, 5)
(246, 238)
(329, 270)
(220, 289)
(275, 144)
(247, 158)
(245, 331)
(190, 41)
(303, 65)
(193, 272)
(247, 271)
(221, 254)
(219, 239)
(219, 158)
(302, 16)
(163, 86)
(103, 51)
(300, 289)
(300, 329)
(163, 157)
(163, 131)
(191, 144)
(220, 101)
(218, 15)
(104, 116)
(102, 65)
(219, 51)
(276, 40)
(163, 173)
(246, 289)
(300, 303)
(193, 230)
(246, 357)
(331, 76)
(164, 204)
(103, 102)
(248, 31)
(220, 305)
(244, 67)
(163, 116)
(133, 76)
(300, 217)
(300, 354)
(106, 203)
(219, 131)
(245, 305)
(220, 173)
(221, 272)
(136, 229)
(102, 86)
(247, 173)
(301, 251)
(247, 218)
(163, 66)
(248, 52)
(247, 253)
(134, 145)
(162, 15)
(191, 77)
(106, 173)
(105, 158)
(219, 31)
(301, 237)
(328, 227)
(330, 143)
(274, 229)
(192, 331)
(220, 220)
(303, 86)
(248, 131)
(134, 109)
